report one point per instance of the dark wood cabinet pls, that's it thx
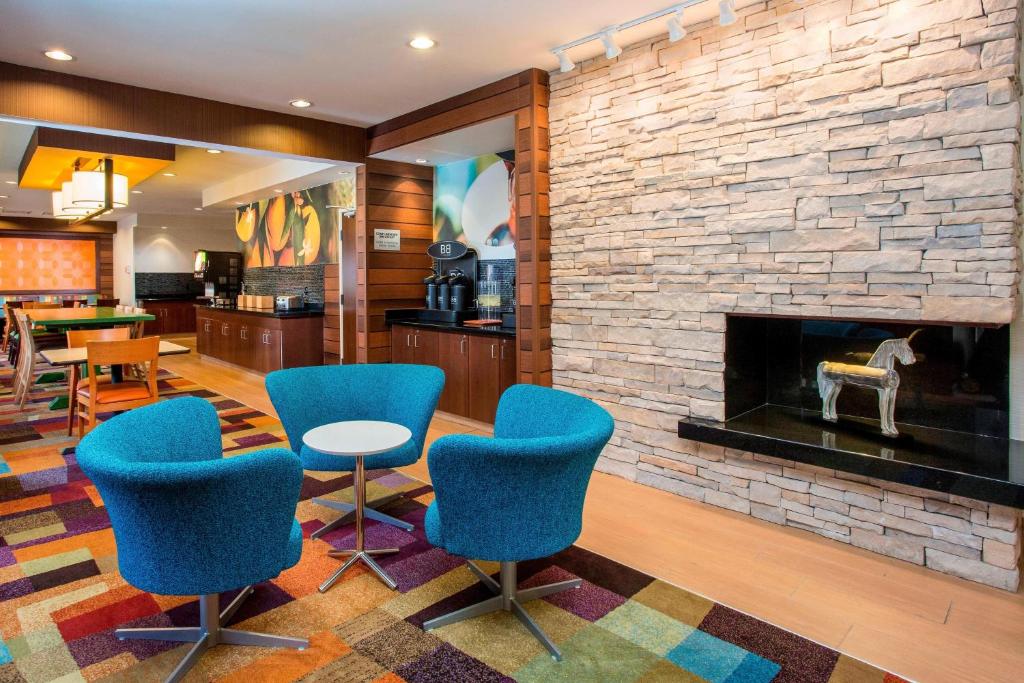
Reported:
(259, 342)
(453, 358)
(477, 367)
(484, 371)
(402, 350)
(172, 317)
(414, 345)
(268, 350)
(506, 365)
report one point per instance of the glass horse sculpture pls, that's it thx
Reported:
(878, 374)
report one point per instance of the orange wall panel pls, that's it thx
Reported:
(34, 264)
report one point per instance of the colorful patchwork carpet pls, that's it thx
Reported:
(61, 595)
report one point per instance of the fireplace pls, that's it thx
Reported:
(951, 408)
(959, 382)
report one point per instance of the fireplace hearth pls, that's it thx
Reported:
(951, 409)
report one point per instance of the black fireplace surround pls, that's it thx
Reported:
(952, 407)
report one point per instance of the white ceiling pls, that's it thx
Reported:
(484, 138)
(349, 57)
(195, 170)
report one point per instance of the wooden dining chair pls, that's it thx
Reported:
(107, 303)
(79, 339)
(95, 396)
(140, 325)
(41, 338)
(24, 369)
(10, 326)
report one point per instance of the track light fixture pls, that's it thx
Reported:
(726, 12)
(676, 30)
(611, 50)
(673, 18)
(565, 65)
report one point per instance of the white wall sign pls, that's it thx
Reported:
(387, 240)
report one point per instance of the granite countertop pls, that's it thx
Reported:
(169, 297)
(311, 311)
(491, 330)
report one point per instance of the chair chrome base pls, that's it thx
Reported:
(508, 597)
(350, 514)
(209, 633)
(364, 556)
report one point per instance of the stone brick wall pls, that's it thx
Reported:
(845, 158)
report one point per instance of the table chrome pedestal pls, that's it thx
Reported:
(360, 553)
(358, 439)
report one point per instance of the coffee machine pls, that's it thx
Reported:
(451, 287)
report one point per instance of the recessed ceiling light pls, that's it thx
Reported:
(421, 161)
(279, 191)
(136, 191)
(198, 208)
(170, 175)
(11, 182)
(163, 227)
(239, 203)
(3, 196)
(213, 151)
(422, 43)
(301, 103)
(59, 55)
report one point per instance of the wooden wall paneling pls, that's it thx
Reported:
(398, 196)
(349, 262)
(106, 259)
(524, 96)
(66, 99)
(54, 226)
(533, 244)
(488, 102)
(332, 318)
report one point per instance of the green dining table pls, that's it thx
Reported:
(57, 319)
(63, 318)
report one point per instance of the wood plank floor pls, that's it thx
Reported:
(917, 623)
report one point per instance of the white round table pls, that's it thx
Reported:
(357, 439)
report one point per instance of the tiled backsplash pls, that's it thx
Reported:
(286, 280)
(166, 284)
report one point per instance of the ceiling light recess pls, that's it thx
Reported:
(422, 43)
(673, 18)
(300, 103)
(58, 55)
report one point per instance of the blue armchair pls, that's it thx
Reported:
(518, 496)
(309, 397)
(188, 521)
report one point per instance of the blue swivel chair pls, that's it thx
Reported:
(518, 496)
(309, 397)
(188, 521)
